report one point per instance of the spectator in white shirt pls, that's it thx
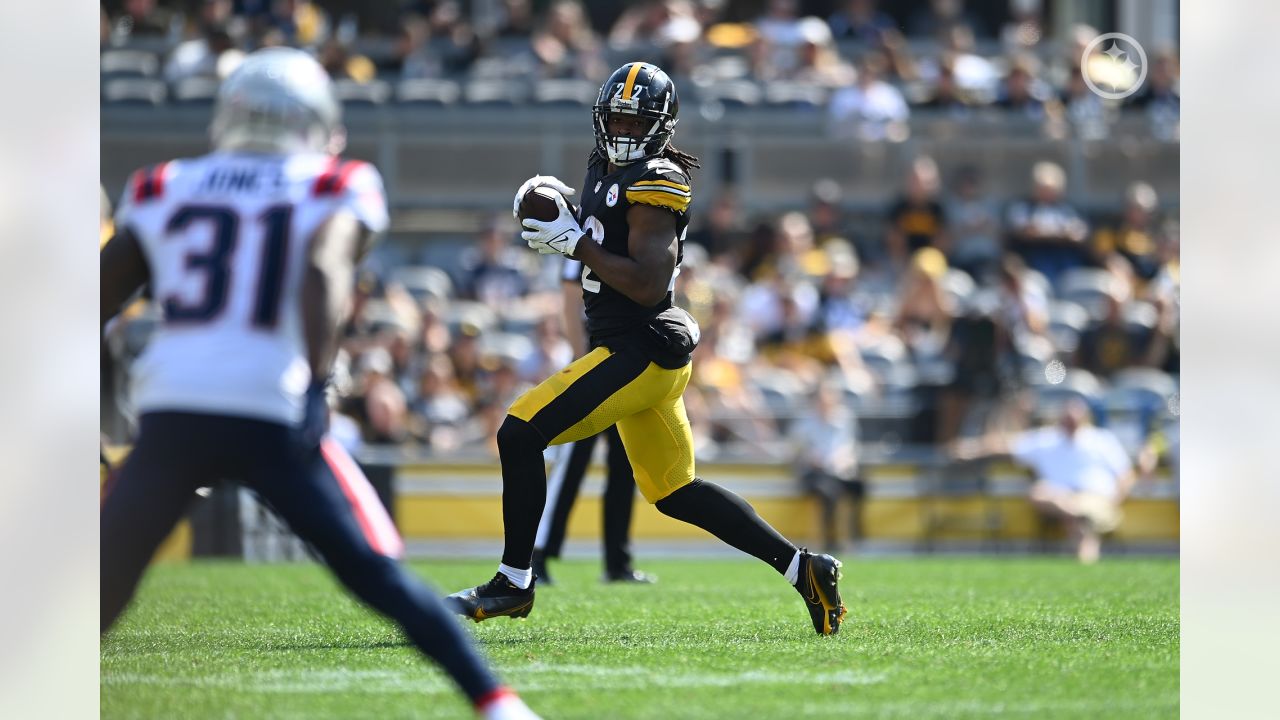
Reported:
(1082, 474)
(872, 107)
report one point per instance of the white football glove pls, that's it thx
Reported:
(537, 181)
(556, 236)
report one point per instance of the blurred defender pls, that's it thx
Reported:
(635, 208)
(251, 252)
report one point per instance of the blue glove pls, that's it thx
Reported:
(315, 415)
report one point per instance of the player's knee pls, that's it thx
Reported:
(519, 437)
(678, 501)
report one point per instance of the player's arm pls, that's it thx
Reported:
(651, 242)
(327, 285)
(124, 271)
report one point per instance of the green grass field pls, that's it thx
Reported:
(925, 638)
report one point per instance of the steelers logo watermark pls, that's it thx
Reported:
(1114, 66)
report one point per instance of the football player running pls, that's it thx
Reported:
(251, 250)
(629, 236)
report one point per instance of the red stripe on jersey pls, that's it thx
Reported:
(140, 185)
(375, 524)
(336, 175)
(148, 183)
(344, 175)
(326, 177)
(157, 179)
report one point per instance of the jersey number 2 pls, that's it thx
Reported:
(593, 226)
(215, 263)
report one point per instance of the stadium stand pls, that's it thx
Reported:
(454, 126)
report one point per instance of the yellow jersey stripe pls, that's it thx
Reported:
(533, 401)
(631, 80)
(663, 183)
(659, 188)
(660, 198)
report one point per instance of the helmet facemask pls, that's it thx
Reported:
(624, 149)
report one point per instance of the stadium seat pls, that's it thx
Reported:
(565, 93)
(782, 391)
(1034, 357)
(957, 286)
(381, 317)
(731, 93)
(195, 90)
(505, 346)
(795, 96)
(128, 63)
(1149, 381)
(1089, 288)
(428, 93)
(1140, 316)
(1078, 383)
(495, 92)
(466, 312)
(371, 93)
(888, 363)
(133, 91)
(1066, 321)
(423, 281)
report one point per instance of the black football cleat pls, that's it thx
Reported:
(818, 585)
(496, 598)
(633, 577)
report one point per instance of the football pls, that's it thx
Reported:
(539, 204)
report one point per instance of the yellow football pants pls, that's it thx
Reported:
(626, 389)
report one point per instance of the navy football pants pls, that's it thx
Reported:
(320, 494)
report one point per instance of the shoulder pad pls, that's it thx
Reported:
(662, 183)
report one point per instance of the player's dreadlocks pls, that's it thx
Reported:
(686, 161)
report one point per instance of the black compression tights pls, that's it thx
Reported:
(729, 518)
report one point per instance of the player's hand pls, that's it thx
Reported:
(537, 181)
(557, 236)
(315, 415)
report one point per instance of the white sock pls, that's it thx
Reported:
(520, 578)
(793, 570)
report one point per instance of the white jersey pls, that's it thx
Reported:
(225, 236)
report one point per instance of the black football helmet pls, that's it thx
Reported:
(641, 89)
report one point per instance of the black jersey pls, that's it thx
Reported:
(603, 214)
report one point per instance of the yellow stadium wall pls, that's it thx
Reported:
(453, 512)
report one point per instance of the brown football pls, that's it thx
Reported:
(539, 204)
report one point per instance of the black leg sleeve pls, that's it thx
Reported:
(524, 488)
(729, 518)
(619, 500)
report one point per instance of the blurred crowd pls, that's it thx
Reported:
(963, 315)
(955, 312)
(863, 60)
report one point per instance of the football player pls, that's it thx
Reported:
(629, 236)
(570, 467)
(251, 251)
